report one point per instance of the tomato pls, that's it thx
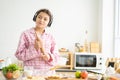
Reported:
(84, 74)
(9, 75)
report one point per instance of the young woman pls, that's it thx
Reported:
(37, 48)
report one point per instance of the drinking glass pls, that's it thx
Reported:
(43, 72)
(28, 71)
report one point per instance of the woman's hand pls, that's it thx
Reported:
(45, 57)
(38, 43)
(39, 46)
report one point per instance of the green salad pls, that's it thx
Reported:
(10, 68)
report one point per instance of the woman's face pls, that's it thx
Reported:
(42, 20)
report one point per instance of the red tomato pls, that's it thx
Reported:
(84, 74)
(9, 75)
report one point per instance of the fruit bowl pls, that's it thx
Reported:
(12, 72)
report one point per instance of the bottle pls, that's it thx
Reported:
(86, 43)
(77, 47)
(82, 49)
(86, 46)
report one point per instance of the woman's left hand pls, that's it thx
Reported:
(45, 57)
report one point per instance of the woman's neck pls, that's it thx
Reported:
(39, 30)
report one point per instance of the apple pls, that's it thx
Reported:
(77, 74)
(84, 74)
(9, 75)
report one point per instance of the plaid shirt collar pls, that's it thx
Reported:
(32, 30)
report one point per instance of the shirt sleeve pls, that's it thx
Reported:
(54, 54)
(25, 50)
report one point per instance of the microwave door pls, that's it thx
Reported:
(86, 61)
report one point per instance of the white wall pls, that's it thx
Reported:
(108, 28)
(71, 19)
(117, 29)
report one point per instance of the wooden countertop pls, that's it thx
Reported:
(42, 78)
(67, 79)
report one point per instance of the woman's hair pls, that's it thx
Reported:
(45, 11)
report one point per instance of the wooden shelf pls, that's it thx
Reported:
(64, 65)
(70, 60)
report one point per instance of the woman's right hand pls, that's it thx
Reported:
(38, 43)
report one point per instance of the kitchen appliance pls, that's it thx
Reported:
(89, 61)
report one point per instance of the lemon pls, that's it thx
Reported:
(16, 74)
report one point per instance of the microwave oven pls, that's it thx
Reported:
(88, 61)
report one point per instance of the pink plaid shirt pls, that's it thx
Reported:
(30, 56)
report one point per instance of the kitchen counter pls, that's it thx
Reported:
(65, 76)
(74, 70)
(39, 78)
